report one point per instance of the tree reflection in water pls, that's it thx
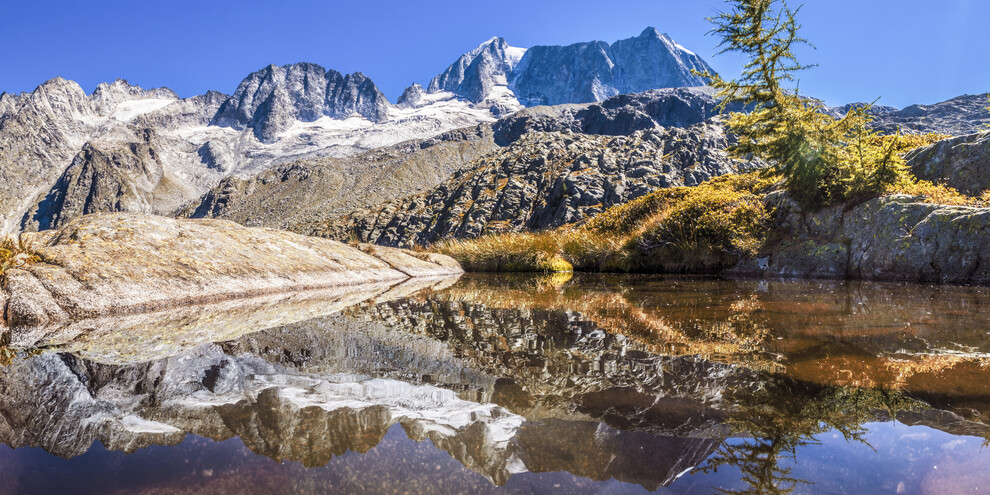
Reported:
(784, 416)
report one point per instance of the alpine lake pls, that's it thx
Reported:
(515, 384)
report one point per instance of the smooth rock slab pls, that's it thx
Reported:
(110, 264)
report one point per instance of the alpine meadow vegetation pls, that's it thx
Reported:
(14, 254)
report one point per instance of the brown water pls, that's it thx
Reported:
(521, 384)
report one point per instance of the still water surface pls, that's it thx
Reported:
(521, 384)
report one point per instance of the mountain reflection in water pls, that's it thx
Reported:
(520, 384)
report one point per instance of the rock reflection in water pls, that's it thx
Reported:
(641, 380)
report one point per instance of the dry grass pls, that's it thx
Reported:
(939, 194)
(539, 252)
(702, 228)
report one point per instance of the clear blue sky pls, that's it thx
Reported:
(903, 51)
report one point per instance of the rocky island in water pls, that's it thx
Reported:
(265, 292)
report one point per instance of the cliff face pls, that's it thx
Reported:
(270, 100)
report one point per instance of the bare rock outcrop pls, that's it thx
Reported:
(108, 264)
(962, 163)
(888, 238)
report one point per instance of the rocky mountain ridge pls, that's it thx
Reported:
(64, 153)
(962, 115)
(507, 76)
(541, 181)
(271, 99)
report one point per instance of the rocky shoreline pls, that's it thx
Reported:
(892, 238)
(116, 264)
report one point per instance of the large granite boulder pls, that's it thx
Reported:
(962, 163)
(108, 264)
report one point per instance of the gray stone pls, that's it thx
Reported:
(888, 238)
(271, 99)
(962, 163)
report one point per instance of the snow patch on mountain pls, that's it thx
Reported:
(129, 110)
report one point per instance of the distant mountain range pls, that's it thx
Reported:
(65, 153)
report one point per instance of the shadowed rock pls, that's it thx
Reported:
(888, 238)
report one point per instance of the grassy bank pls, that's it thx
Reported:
(704, 228)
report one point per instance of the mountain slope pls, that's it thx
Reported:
(318, 189)
(959, 116)
(542, 180)
(313, 191)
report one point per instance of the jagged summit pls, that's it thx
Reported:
(476, 73)
(269, 100)
(500, 74)
(594, 71)
(411, 96)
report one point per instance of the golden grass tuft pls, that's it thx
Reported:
(518, 252)
(941, 194)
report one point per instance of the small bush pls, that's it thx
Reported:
(708, 228)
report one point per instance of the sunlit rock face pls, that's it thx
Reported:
(578, 73)
(123, 264)
(270, 100)
(962, 163)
